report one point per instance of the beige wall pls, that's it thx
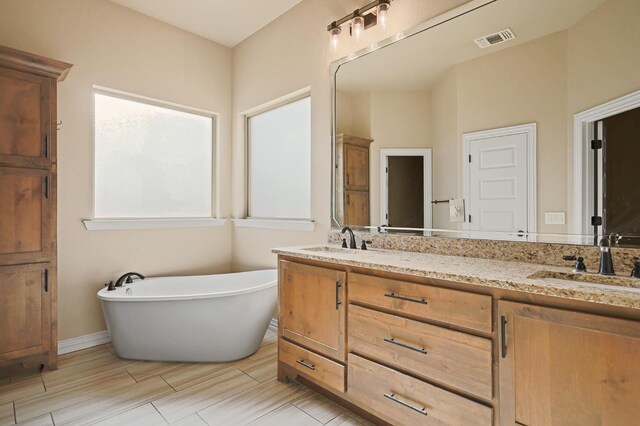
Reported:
(603, 64)
(115, 47)
(446, 150)
(289, 54)
(530, 87)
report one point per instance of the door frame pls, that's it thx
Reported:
(530, 130)
(582, 157)
(426, 154)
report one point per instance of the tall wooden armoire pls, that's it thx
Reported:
(28, 264)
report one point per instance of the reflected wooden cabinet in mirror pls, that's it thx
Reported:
(352, 179)
(28, 261)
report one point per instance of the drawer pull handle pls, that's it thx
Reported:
(404, 345)
(394, 398)
(408, 299)
(309, 366)
(503, 337)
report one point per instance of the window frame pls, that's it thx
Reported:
(305, 224)
(211, 220)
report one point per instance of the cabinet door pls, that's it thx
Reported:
(356, 168)
(24, 215)
(356, 210)
(569, 368)
(312, 308)
(25, 312)
(24, 119)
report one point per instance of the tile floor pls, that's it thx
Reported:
(94, 386)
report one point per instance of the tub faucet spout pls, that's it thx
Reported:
(126, 278)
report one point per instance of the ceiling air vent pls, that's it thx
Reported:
(495, 38)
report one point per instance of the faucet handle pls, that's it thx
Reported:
(635, 272)
(344, 243)
(110, 286)
(579, 266)
(363, 246)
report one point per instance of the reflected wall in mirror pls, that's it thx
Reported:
(506, 100)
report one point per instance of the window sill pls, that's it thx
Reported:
(292, 225)
(107, 224)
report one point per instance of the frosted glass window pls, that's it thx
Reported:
(279, 149)
(151, 161)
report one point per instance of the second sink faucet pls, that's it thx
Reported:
(352, 241)
(606, 260)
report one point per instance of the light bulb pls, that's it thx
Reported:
(358, 26)
(382, 14)
(334, 34)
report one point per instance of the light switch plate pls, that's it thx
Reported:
(554, 218)
(456, 210)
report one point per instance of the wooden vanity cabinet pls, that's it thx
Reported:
(569, 368)
(414, 351)
(28, 167)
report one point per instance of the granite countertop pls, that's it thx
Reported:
(490, 273)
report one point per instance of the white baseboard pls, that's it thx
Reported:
(83, 342)
(273, 325)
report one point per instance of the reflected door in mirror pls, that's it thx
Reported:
(622, 173)
(352, 180)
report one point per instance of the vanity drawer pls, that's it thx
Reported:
(458, 359)
(461, 308)
(317, 368)
(409, 401)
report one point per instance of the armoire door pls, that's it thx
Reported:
(356, 168)
(25, 311)
(24, 215)
(25, 119)
(356, 208)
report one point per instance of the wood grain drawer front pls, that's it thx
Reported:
(469, 310)
(313, 308)
(317, 368)
(449, 357)
(405, 400)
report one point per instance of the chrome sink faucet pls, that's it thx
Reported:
(352, 241)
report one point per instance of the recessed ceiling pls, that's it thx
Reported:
(227, 22)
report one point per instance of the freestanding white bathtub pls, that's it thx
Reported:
(207, 318)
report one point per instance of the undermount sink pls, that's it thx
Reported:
(330, 249)
(616, 280)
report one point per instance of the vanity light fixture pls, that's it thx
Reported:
(360, 20)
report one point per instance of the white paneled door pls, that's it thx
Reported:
(500, 180)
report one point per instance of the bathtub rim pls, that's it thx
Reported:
(108, 296)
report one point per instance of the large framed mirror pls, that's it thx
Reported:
(516, 119)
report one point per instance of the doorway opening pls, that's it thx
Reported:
(405, 188)
(606, 148)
